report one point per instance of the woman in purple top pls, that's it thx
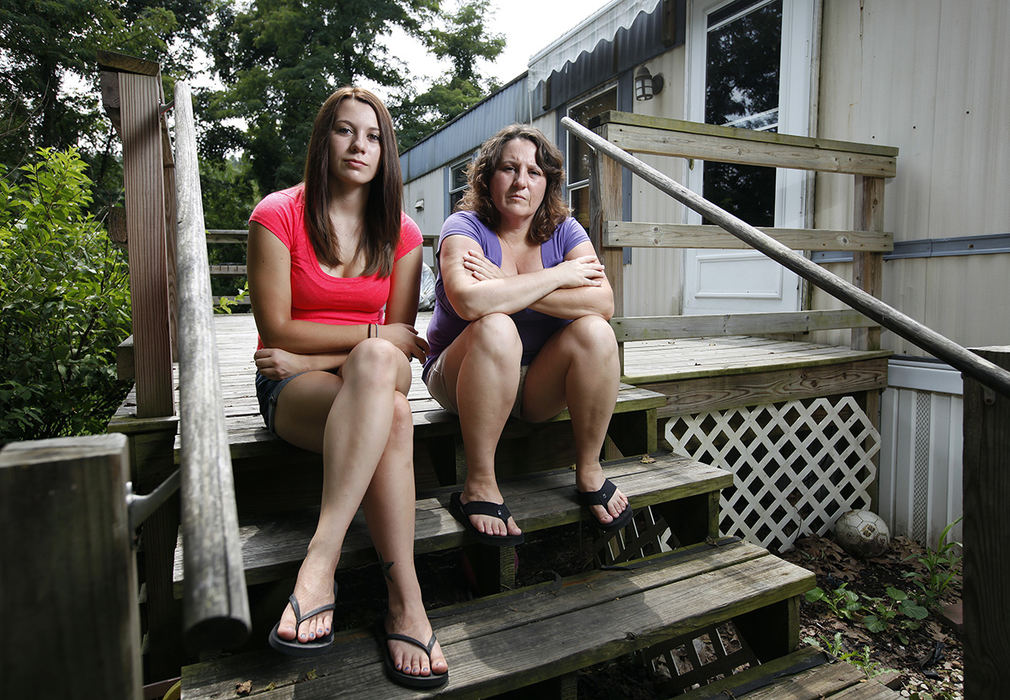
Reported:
(520, 327)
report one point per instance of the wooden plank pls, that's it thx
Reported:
(228, 269)
(705, 394)
(750, 679)
(140, 98)
(650, 235)
(757, 151)
(74, 576)
(121, 63)
(688, 127)
(274, 547)
(216, 610)
(868, 267)
(489, 641)
(606, 202)
(986, 487)
(631, 328)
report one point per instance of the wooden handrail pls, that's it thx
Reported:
(922, 336)
(215, 603)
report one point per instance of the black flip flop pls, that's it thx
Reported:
(602, 498)
(435, 680)
(462, 512)
(292, 647)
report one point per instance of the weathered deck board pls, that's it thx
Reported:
(488, 644)
(273, 547)
(696, 374)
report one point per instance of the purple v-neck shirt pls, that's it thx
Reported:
(534, 327)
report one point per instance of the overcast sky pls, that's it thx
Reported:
(528, 27)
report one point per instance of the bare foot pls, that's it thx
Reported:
(407, 657)
(488, 524)
(313, 588)
(591, 479)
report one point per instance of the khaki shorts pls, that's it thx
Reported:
(438, 390)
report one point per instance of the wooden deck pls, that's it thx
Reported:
(696, 374)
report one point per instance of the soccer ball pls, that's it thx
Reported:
(862, 533)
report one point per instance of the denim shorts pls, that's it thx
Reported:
(267, 391)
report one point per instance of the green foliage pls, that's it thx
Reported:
(48, 77)
(463, 41)
(940, 568)
(281, 59)
(241, 298)
(64, 303)
(896, 610)
(859, 658)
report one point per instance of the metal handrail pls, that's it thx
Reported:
(215, 602)
(886, 315)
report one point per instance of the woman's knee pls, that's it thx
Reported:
(593, 335)
(375, 359)
(497, 335)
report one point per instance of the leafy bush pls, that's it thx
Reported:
(940, 569)
(64, 303)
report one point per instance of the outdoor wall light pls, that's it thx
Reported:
(419, 205)
(647, 84)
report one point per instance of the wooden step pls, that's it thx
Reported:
(273, 547)
(515, 639)
(805, 674)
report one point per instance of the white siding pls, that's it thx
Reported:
(920, 456)
(931, 77)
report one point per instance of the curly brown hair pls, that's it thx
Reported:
(552, 210)
(382, 210)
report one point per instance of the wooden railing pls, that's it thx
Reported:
(869, 164)
(215, 604)
(986, 427)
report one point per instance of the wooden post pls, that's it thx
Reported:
(606, 203)
(868, 275)
(986, 491)
(68, 583)
(144, 179)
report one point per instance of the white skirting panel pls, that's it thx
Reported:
(920, 455)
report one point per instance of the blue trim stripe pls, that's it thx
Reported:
(988, 244)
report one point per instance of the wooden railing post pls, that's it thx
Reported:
(606, 203)
(68, 582)
(868, 275)
(132, 94)
(986, 491)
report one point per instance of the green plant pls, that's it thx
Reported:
(64, 303)
(940, 567)
(842, 602)
(875, 614)
(859, 658)
(897, 608)
(225, 303)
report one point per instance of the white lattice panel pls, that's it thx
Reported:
(797, 465)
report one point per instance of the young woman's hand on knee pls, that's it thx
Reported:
(404, 337)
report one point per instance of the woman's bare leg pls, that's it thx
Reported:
(481, 367)
(579, 368)
(348, 419)
(389, 510)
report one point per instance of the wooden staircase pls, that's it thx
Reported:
(667, 576)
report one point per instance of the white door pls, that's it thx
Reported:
(749, 66)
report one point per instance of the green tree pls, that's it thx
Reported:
(48, 74)
(280, 59)
(64, 303)
(464, 40)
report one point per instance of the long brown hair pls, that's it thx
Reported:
(552, 210)
(382, 210)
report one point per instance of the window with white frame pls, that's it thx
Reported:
(457, 183)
